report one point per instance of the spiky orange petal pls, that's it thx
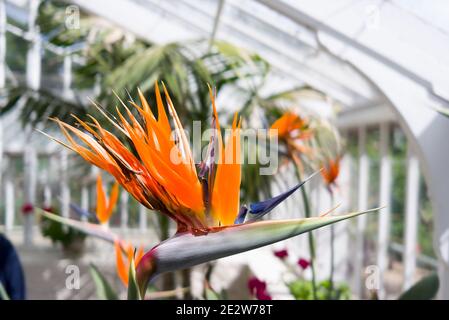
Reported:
(112, 200)
(101, 201)
(226, 191)
(121, 266)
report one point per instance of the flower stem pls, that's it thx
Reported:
(305, 200)
(332, 254)
(311, 242)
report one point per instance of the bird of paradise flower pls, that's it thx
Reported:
(161, 175)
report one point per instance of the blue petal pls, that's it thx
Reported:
(259, 209)
(241, 216)
(80, 211)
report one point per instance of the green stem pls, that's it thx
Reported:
(168, 279)
(305, 200)
(332, 258)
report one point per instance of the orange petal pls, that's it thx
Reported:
(185, 146)
(139, 255)
(161, 115)
(122, 268)
(226, 192)
(112, 200)
(101, 201)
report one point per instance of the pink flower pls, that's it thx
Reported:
(281, 254)
(303, 263)
(258, 288)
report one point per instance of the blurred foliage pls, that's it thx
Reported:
(59, 233)
(16, 53)
(424, 289)
(103, 288)
(302, 290)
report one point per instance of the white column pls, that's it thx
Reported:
(47, 190)
(30, 161)
(363, 185)
(84, 199)
(124, 197)
(142, 218)
(33, 74)
(385, 200)
(9, 204)
(67, 76)
(343, 252)
(411, 218)
(443, 273)
(64, 185)
(2, 44)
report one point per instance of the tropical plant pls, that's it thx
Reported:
(160, 173)
(109, 59)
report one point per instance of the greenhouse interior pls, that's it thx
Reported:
(224, 149)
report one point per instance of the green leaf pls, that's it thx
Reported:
(210, 294)
(90, 229)
(133, 289)
(104, 289)
(186, 250)
(442, 110)
(3, 294)
(424, 289)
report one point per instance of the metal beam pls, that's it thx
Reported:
(216, 22)
(305, 74)
(366, 116)
(411, 218)
(362, 88)
(304, 19)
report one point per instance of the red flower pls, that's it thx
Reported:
(27, 208)
(263, 296)
(258, 288)
(281, 254)
(303, 263)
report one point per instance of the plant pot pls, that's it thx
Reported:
(74, 248)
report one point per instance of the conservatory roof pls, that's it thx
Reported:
(411, 37)
(307, 41)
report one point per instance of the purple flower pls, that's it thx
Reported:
(303, 263)
(258, 288)
(281, 254)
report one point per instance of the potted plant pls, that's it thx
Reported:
(71, 240)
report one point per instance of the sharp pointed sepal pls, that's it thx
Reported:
(258, 209)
